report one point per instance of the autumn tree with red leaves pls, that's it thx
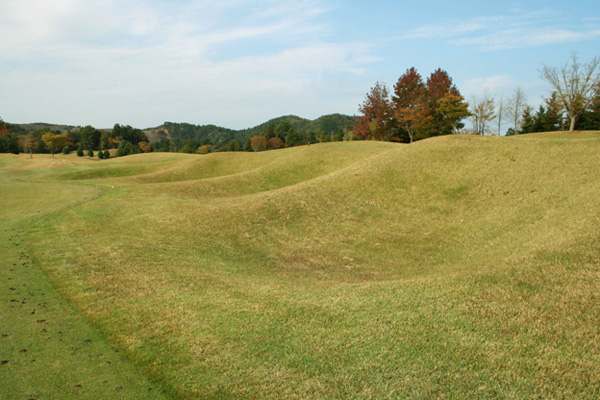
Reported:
(439, 86)
(376, 118)
(409, 102)
(9, 143)
(274, 143)
(417, 109)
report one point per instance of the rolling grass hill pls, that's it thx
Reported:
(454, 267)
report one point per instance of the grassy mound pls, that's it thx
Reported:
(457, 267)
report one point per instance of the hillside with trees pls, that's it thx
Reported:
(291, 130)
(284, 131)
(416, 108)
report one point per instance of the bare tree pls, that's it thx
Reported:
(482, 113)
(501, 116)
(515, 106)
(574, 82)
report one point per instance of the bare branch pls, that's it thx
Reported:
(574, 84)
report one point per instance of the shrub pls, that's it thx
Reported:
(125, 148)
(106, 154)
(79, 152)
(90, 153)
(204, 149)
(100, 154)
(66, 150)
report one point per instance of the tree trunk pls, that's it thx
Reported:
(572, 127)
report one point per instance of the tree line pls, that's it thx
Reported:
(274, 136)
(84, 140)
(286, 131)
(416, 109)
(419, 109)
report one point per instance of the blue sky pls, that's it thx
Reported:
(237, 63)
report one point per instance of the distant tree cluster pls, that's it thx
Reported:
(284, 135)
(285, 131)
(573, 103)
(84, 140)
(9, 142)
(416, 110)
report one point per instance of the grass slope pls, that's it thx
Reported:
(456, 267)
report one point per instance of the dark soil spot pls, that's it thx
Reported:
(119, 388)
(3, 362)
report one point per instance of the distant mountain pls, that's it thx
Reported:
(182, 131)
(21, 129)
(329, 124)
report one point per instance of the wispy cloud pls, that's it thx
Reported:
(523, 37)
(516, 29)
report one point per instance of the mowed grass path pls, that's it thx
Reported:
(48, 350)
(456, 267)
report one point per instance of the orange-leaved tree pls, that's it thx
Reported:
(452, 110)
(145, 147)
(28, 142)
(258, 143)
(55, 141)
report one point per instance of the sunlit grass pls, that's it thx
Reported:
(456, 267)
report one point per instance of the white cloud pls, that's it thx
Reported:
(110, 60)
(477, 87)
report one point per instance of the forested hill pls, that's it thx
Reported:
(328, 124)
